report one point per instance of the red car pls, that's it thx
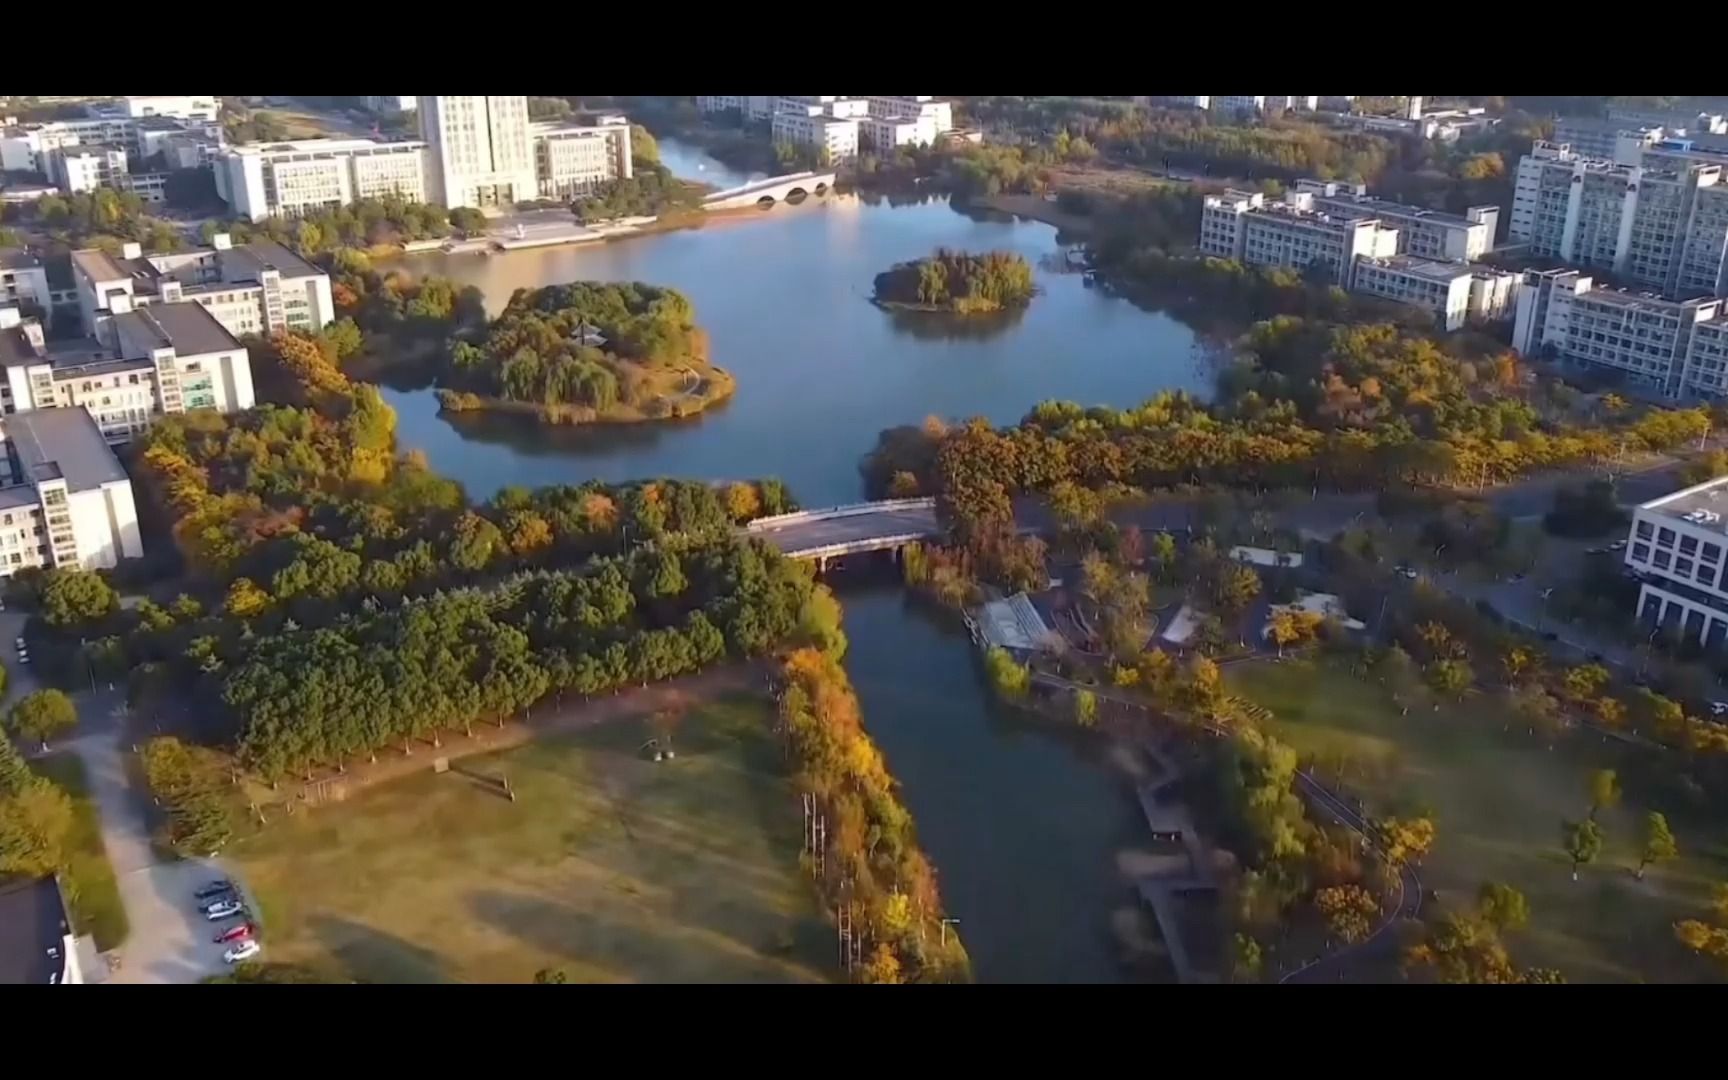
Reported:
(239, 933)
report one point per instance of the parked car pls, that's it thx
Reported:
(239, 933)
(214, 889)
(246, 950)
(223, 909)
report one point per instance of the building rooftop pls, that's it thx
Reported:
(1695, 504)
(54, 444)
(1424, 268)
(262, 255)
(33, 932)
(186, 327)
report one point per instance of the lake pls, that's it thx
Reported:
(1024, 820)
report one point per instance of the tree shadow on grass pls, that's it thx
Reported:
(629, 950)
(366, 954)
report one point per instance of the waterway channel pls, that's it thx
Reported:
(1026, 825)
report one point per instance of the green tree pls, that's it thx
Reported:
(1659, 843)
(1604, 790)
(1582, 841)
(1085, 708)
(74, 598)
(43, 715)
(34, 825)
(1502, 906)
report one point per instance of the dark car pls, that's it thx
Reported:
(214, 890)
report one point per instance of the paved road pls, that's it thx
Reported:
(170, 940)
(807, 535)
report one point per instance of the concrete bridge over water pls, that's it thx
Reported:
(771, 190)
(887, 525)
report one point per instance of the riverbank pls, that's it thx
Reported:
(674, 398)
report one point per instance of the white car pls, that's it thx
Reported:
(223, 909)
(246, 950)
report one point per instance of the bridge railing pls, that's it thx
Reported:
(881, 506)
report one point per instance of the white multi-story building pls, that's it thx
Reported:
(23, 280)
(1455, 293)
(889, 132)
(1291, 234)
(1656, 342)
(67, 501)
(256, 288)
(291, 178)
(1667, 228)
(1676, 547)
(479, 150)
(86, 167)
(570, 160)
(836, 138)
(140, 364)
(1423, 233)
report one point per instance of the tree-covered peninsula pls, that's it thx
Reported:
(958, 282)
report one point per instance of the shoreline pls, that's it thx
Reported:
(718, 387)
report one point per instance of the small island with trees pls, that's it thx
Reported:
(587, 352)
(958, 283)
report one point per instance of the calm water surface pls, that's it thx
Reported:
(1024, 825)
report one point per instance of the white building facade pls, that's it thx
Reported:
(1656, 342)
(1667, 228)
(570, 160)
(479, 150)
(292, 178)
(1676, 547)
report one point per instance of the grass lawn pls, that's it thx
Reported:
(95, 895)
(607, 865)
(1497, 799)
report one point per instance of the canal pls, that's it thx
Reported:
(1026, 823)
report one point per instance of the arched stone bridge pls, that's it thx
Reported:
(848, 530)
(773, 189)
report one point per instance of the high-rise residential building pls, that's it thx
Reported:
(1422, 233)
(256, 288)
(1662, 227)
(570, 160)
(1673, 347)
(291, 178)
(480, 150)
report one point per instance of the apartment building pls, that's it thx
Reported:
(138, 365)
(570, 160)
(836, 137)
(1667, 228)
(1291, 234)
(83, 167)
(1656, 342)
(1454, 293)
(256, 288)
(1675, 545)
(67, 501)
(23, 280)
(479, 150)
(291, 178)
(1422, 233)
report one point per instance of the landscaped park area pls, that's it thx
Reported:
(607, 865)
(1497, 796)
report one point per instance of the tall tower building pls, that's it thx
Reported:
(479, 150)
